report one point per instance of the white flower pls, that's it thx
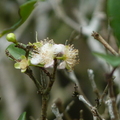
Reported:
(43, 55)
(58, 49)
(70, 58)
(46, 51)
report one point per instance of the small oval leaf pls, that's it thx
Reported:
(15, 52)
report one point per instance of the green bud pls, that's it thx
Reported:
(11, 37)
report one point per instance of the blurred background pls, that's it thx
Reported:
(60, 20)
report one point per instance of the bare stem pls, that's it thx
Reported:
(94, 86)
(56, 112)
(45, 99)
(103, 94)
(100, 39)
(93, 109)
(112, 96)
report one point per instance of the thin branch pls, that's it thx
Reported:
(78, 89)
(112, 101)
(56, 112)
(100, 39)
(37, 84)
(9, 55)
(91, 78)
(46, 72)
(110, 109)
(103, 94)
(63, 110)
(92, 108)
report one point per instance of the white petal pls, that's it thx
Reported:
(58, 49)
(50, 64)
(36, 60)
(62, 65)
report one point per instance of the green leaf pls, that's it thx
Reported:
(113, 11)
(24, 12)
(22, 116)
(112, 60)
(15, 51)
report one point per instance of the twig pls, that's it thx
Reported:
(9, 55)
(103, 94)
(91, 78)
(100, 39)
(63, 110)
(45, 71)
(112, 96)
(56, 112)
(28, 72)
(110, 108)
(37, 84)
(77, 87)
(74, 79)
(93, 109)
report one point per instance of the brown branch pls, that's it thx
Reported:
(9, 55)
(37, 84)
(45, 99)
(106, 45)
(109, 79)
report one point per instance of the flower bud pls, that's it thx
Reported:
(11, 37)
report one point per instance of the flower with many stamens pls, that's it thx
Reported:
(70, 58)
(46, 51)
(43, 55)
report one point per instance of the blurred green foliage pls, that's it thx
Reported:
(113, 9)
(111, 59)
(59, 31)
(24, 12)
(22, 116)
